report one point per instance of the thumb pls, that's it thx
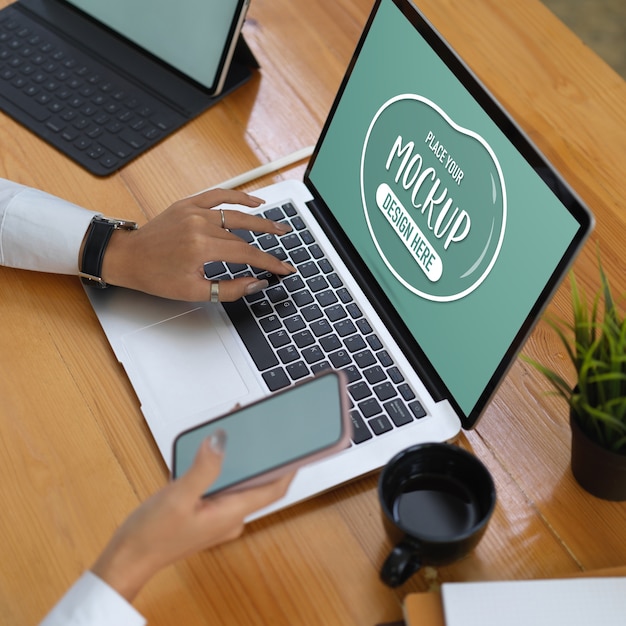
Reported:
(206, 466)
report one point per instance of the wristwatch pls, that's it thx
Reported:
(96, 241)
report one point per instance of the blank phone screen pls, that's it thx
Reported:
(280, 429)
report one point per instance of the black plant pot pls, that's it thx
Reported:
(599, 471)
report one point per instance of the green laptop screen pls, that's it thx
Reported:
(459, 231)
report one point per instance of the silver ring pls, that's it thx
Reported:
(215, 291)
(223, 218)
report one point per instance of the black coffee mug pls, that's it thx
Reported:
(436, 500)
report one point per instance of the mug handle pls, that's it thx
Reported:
(402, 562)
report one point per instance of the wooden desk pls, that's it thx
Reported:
(75, 453)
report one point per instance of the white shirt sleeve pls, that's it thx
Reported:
(39, 231)
(91, 602)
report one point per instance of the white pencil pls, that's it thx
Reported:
(262, 170)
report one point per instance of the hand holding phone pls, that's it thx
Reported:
(274, 435)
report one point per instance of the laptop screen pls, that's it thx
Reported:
(463, 228)
(189, 35)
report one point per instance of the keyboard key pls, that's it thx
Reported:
(373, 341)
(380, 424)
(398, 412)
(384, 358)
(374, 374)
(276, 294)
(312, 312)
(288, 354)
(406, 391)
(307, 238)
(316, 251)
(276, 379)
(320, 367)
(359, 390)
(261, 309)
(267, 241)
(299, 255)
(326, 298)
(302, 298)
(293, 283)
(303, 339)
(385, 391)
(355, 343)
(352, 373)
(317, 283)
(418, 409)
(297, 370)
(321, 328)
(344, 295)
(364, 326)
(270, 323)
(294, 324)
(360, 432)
(313, 354)
(354, 311)
(289, 209)
(275, 214)
(364, 358)
(330, 342)
(339, 359)
(396, 375)
(291, 241)
(286, 308)
(279, 338)
(345, 328)
(309, 269)
(370, 407)
(298, 223)
(246, 235)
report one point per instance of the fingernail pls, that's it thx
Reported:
(283, 227)
(257, 286)
(217, 441)
(255, 199)
(290, 268)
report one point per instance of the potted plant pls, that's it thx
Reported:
(595, 342)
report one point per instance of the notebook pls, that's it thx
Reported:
(104, 81)
(428, 234)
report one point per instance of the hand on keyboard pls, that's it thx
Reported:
(166, 256)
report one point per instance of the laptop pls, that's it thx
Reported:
(104, 81)
(428, 233)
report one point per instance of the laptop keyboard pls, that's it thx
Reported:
(85, 110)
(307, 322)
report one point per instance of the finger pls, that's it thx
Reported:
(243, 503)
(238, 220)
(234, 250)
(205, 468)
(213, 197)
(231, 290)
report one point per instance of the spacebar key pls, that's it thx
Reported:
(251, 335)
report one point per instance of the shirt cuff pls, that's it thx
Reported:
(91, 602)
(42, 232)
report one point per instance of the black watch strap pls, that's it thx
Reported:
(96, 241)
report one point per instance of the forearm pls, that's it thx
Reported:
(39, 231)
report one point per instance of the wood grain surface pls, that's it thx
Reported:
(76, 456)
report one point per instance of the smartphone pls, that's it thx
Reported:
(275, 435)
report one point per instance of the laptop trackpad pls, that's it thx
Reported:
(182, 366)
